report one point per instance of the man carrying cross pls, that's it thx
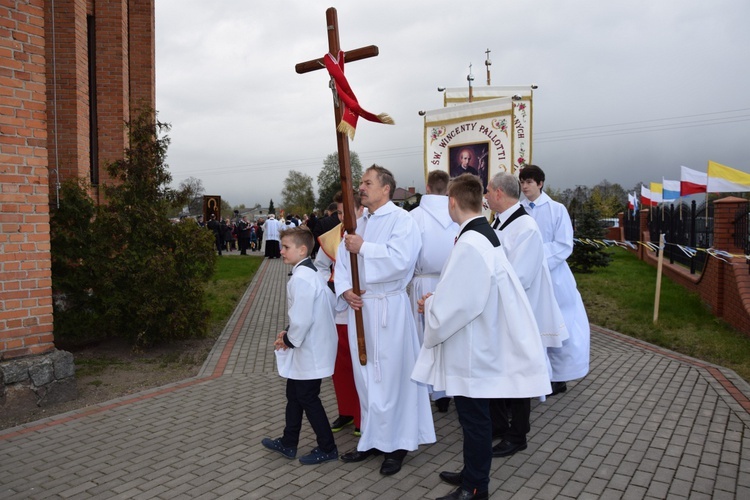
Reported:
(379, 251)
(396, 414)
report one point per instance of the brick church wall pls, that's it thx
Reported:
(25, 275)
(45, 125)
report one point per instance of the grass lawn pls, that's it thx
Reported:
(621, 297)
(232, 275)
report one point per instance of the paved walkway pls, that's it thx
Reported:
(645, 423)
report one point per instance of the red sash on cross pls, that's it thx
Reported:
(352, 110)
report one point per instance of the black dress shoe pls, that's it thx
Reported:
(462, 494)
(558, 387)
(390, 466)
(358, 456)
(392, 462)
(454, 478)
(506, 448)
(442, 404)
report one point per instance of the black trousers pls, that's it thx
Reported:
(511, 418)
(474, 417)
(273, 250)
(219, 244)
(243, 241)
(303, 395)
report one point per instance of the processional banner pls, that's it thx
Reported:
(470, 138)
(523, 98)
(211, 206)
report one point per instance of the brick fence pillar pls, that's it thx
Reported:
(725, 213)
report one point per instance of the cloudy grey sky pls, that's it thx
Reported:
(628, 90)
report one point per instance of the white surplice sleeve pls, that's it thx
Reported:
(526, 256)
(560, 247)
(460, 296)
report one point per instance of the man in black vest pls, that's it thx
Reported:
(523, 245)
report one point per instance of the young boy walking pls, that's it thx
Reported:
(306, 350)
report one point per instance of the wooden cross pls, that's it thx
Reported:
(350, 220)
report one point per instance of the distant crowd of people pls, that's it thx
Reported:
(455, 308)
(245, 236)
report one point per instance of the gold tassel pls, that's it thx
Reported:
(386, 118)
(346, 129)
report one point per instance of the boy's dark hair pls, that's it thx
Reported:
(301, 236)
(339, 198)
(438, 181)
(531, 172)
(467, 190)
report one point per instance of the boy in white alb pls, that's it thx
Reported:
(571, 361)
(306, 350)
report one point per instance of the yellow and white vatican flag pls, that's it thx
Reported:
(656, 192)
(723, 179)
(473, 138)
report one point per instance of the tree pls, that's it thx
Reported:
(191, 193)
(587, 255)
(138, 276)
(329, 178)
(297, 194)
(226, 209)
(611, 198)
(271, 208)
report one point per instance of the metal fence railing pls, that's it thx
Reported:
(686, 225)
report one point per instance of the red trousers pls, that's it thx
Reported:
(343, 378)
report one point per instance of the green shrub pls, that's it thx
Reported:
(586, 256)
(74, 267)
(123, 269)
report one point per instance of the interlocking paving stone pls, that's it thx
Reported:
(645, 423)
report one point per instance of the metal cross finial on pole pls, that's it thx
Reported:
(487, 63)
(470, 78)
(350, 220)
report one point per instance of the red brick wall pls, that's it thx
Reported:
(112, 81)
(68, 86)
(25, 282)
(142, 55)
(34, 97)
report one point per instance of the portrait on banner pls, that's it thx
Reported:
(470, 159)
